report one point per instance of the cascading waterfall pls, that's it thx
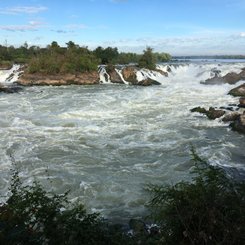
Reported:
(104, 76)
(119, 72)
(10, 76)
(104, 143)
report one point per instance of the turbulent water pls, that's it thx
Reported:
(105, 142)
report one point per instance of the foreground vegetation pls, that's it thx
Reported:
(72, 59)
(208, 210)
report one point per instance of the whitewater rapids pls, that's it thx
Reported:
(104, 143)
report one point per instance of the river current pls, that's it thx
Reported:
(104, 143)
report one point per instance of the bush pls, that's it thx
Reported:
(208, 210)
(34, 216)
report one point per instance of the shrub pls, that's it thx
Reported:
(208, 210)
(34, 216)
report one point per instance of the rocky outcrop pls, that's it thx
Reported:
(238, 91)
(10, 89)
(211, 113)
(237, 119)
(230, 78)
(114, 76)
(199, 110)
(239, 124)
(231, 117)
(148, 82)
(129, 74)
(86, 78)
(242, 102)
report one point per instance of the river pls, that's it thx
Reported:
(104, 143)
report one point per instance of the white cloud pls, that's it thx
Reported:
(23, 10)
(242, 34)
(31, 26)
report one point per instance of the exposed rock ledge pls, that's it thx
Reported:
(87, 78)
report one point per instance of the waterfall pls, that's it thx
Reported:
(11, 75)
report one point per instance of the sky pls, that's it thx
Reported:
(179, 27)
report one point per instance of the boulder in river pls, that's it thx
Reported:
(214, 113)
(211, 113)
(238, 91)
(239, 124)
(242, 102)
(230, 78)
(231, 117)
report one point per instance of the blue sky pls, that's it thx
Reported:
(180, 27)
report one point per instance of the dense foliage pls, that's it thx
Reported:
(148, 59)
(208, 210)
(72, 59)
(34, 216)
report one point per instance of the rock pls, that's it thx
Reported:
(215, 72)
(10, 89)
(230, 78)
(213, 113)
(199, 109)
(231, 117)
(228, 108)
(86, 78)
(239, 124)
(114, 76)
(129, 74)
(242, 102)
(163, 72)
(148, 82)
(238, 91)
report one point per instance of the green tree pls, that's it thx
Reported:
(208, 210)
(148, 59)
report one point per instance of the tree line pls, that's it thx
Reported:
(54, 59)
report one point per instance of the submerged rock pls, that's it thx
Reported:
(239, 124)
(10, 89)
(148, 82)
(214, 113)
(211, 113)
(199, 109)
(238, 91)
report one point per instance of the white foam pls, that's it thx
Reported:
(11, 75)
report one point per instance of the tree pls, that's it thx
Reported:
(148, 59)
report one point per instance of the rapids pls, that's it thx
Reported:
(105, 142)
